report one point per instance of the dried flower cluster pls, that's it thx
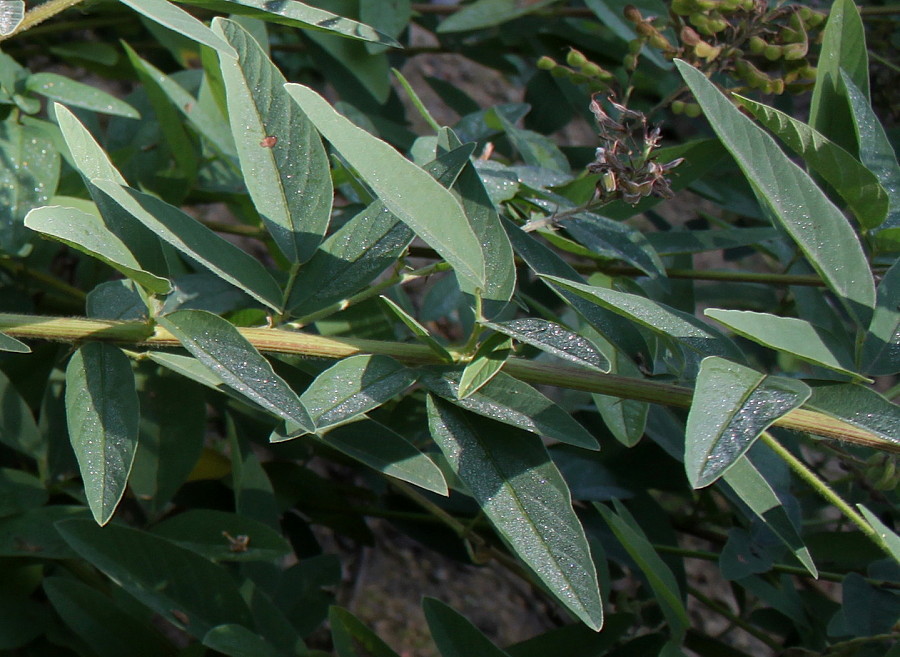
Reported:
(625, 160)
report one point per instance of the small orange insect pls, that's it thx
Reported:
(268, 142)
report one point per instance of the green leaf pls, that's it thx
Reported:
(384, 450)
(658, 574)
(352, 67)
(518, 488)
(513, 402)
(186, 589)
(18, 429)
(875, 148)
(233, 359)
(793, 336)
(102, 412)
(29, 171)
(675, 242)
(537, 150)
(891, 540)
(881, 349)
(659, 318)
(843, 48)
(488, 13)
(286, 167)
(553, 339)
(612, 239)
(238, 641)
(858, 405)
(86, 232)
(348, 633)
(732, 406)
(752, 488)
(405, 189)
(803, 210)
(856, 184)
(178, 20)
(218, 536)
(76, 94)
(34, 531)
(354, 386)
(196, 241)
(90, 159)
(484, 365)
(20, 491)
(298, 14)
(8, 343)
(101, 623)
(454, 635)
(418, 330)
(867, 610)
(11, 15)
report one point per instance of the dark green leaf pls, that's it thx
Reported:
(405, 189)
(184, 588)
(788, 334)
(856, 184)
(891, 540)
(20, 491)
(732, 405)
(178, 20)
(454, 634)
(484, 365)
(87, 233)
(516, 403)
(17, 426)
(233, 359)
(34, 532)
(814, 222)
(101, 622)
(674, 242)
(286, 168)
(868, 610)
(418, 330)
(881, 349)
(518, 488)
(196, 241)
(488, 13)
(354, 386)
(612, 239)
(554, 339)
(102, 412)
(658, 574)
(536, 149)
(219, 536)
(858, 405)
(238, 641)
(348, 633)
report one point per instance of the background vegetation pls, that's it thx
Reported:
(257, 293)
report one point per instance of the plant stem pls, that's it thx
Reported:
(821, 487)
(41, 13)
(725, 612)
(278, 340)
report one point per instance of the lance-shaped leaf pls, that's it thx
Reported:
(553, 339)
(881, 349)
(675, 242)
(287, 170)
(658, 317)
(8, 343)
(732, 406)
(517, 486)
(454, 634)
(405, 189)
(77, 94)
(843, 48)
(858, 186)
(858, 405)
(354, 386)
(196, 241)
(178, 20)
(752, 488)
(485, 364)
(232, 358)
(298, 14)
(658, 574)
(890, 539)
(348, 632)
(487, 13)
(817, 226)
(513, 402)
(418, 330)
(102, 413)
(788, 334)
(612, 239)
(238, 641)
(87, 233)
(11, 15)
(186, 589)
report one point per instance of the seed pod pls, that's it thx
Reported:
(757, 45)
(707, 51)
(661, 43)
(684, 7)
(645, 29)
(707, 5)
(794, 51)
(678, 107)
(635, 45)
(575, 59)
(816, 18)
(688, 36)
(698, 20)
(692, 110)
(560, 72)
(717, 23)
(633, 14)
(772, 52)
(805, 13)
(729, 6)
(630, 62)
(546, 63)
(788, 35)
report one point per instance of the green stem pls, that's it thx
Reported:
(736, 620)
(278, 340)
(821, 487)
(41, 13)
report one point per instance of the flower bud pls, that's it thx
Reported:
(660, 42)
(816, 18)
(707, 51)
(633, 14)
(630, 62)
(789, 35)
(546, 63)
(577, 78)
(692, 110)
(772, 52)
(678, 107)
(698, 20)
(777, 87)
(635, 45)
(729, 6)
(575, 59)
(645, 29)
(757, 45)
(795, 51)
(688, 36)
(683, 7)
